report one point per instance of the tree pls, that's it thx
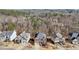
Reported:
(11, 26)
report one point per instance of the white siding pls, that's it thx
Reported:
(13, 36)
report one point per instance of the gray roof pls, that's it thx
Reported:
(74, 34)
(59, 35)
(23, 36)
(41, 35)
(6, 33)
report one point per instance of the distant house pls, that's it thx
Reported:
(58, 38)
(74, 37)
(7, 35)
(23, 38)
(40, 38)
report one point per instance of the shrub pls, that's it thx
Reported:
(11, 26)
(55, 14)
(12, 12)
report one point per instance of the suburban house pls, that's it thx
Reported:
(58, 38)
(74, 37)
(40, 38)
(23, 38)
(8, 35)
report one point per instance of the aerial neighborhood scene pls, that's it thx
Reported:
(39, 29)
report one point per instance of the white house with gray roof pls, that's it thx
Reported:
(8, 35)
(23, 38)
(74, 37)
(58, 38)
(40, 38)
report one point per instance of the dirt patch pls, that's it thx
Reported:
(29, 46)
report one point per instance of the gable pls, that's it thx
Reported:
(13, 36)
(41, 35)
(58, 35)
(24, 36)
